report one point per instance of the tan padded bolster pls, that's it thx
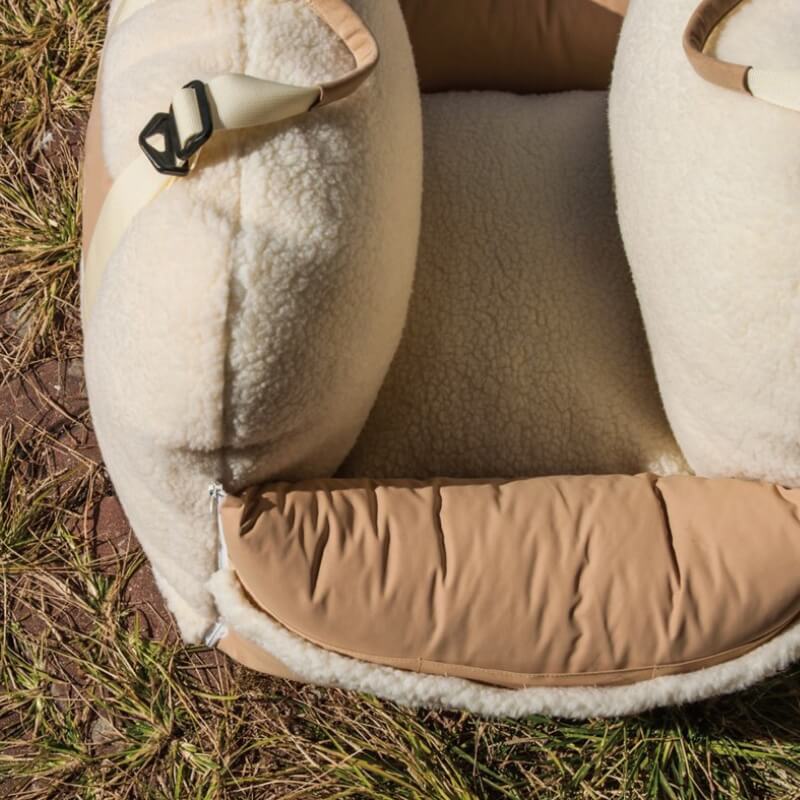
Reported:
(562, 581)
(254, 657)
(521, 46)
(349, 27)
(702, 24)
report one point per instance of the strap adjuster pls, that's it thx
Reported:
(175, 157)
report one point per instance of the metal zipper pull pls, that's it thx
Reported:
(217, 632)
(216, 493)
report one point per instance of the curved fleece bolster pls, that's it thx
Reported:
(209, 351)
(571, 581)
(713, 248)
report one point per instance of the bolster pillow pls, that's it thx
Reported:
(245, 323)
(707, 187)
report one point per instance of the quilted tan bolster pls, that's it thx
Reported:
(543, 582)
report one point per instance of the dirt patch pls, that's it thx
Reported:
(46, 407)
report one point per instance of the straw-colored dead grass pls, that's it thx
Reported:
(97, 700)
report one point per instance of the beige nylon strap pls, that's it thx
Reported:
(235, 102)
(778, 87)
(339, 17)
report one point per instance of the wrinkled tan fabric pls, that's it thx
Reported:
(541, 582)
(523, 46)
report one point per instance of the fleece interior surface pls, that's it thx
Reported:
(524, 352)
(707, 186)
(263, 297)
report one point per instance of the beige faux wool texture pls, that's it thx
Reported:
(524, 352)
(707, 188)
(293, 246)
(464, 393)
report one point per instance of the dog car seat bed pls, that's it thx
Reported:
(456, 454)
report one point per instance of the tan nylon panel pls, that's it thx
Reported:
(96, 178)
(253, 657)
(542, 582)
(523, 46)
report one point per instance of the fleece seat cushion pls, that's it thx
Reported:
(247, 319)
(524, 352)
(707, 187)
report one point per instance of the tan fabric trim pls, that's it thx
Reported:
(615, 6)
(546, 582)
(705, 19)
(96, 178)
(350, 28)
(254, 657)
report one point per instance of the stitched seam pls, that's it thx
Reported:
(227, 378)
(654, 670)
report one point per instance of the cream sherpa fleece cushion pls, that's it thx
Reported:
(524, 351)
(247, 320)
(709, 202)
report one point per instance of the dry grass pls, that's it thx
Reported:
(48, 55)
(97, 700)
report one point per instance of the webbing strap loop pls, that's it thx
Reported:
(778, 87)
(197, 112)
(178, 149)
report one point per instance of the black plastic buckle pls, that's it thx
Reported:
(174, 158)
